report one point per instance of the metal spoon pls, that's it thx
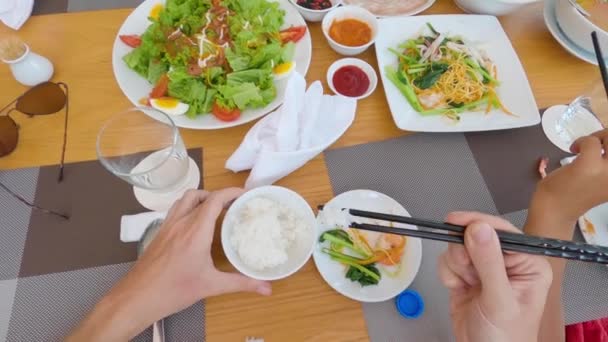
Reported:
(158, 328)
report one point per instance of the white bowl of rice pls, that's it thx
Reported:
(269, 233)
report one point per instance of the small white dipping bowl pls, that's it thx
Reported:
(361, 64)
(299, 252)
(349, 12)
(577, 27)
(315, 15)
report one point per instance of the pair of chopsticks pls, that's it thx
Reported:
(509, 241)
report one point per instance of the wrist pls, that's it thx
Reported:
(549, 219)
(119, 316)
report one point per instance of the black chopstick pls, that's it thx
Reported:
(506, 246)
(514, 238)
(509, 241)
(600, 60)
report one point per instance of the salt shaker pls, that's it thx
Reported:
(30, 68)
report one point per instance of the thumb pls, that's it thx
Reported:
(235, 282)
(483, 247)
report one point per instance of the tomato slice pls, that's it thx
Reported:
(131, 40)
(225, 114)
(161, 88)
(292, 34)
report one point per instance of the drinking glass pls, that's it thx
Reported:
(143, 147)
(585, 115)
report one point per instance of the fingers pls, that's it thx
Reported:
(450, 279)
(210, 210)
(603, 136)
(588, 147)
(462, 218)
(483, 247)
(234, 282)
(458, 261)
(183, 206)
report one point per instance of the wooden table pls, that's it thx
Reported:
(303, 307)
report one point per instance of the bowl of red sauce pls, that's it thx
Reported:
(315, 10)
(352, 77)
(350, 30)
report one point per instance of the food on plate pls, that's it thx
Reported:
(315, 4)
(350, 32)
(218, 56)
(351, 81)
(169, 105)
(264, 232)
(365, 254)
(598, 12)
(589, 227)
(446, 75)
(388, 7)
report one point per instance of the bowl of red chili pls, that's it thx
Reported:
(352, 77)
(315, 10)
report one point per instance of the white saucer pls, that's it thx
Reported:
(556, 31)
(551, 117)
(162, 201)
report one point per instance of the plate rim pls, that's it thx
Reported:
(420, 9)
(533, 120)
(191, 123)
(343, 293)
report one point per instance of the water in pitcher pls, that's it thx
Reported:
(162, 170)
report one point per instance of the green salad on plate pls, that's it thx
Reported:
(218, 56)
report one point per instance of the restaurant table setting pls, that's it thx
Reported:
(482, 144)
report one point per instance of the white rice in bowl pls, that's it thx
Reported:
(264, 231)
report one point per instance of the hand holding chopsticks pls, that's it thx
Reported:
(509, 241)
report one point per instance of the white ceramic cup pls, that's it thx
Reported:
(349, 12)
(31, 69)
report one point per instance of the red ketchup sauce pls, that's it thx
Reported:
(351, 81)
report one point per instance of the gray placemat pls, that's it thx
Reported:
(53, 271)
(433, 174)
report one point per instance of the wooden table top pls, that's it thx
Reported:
(303, 307)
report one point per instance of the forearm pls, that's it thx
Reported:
(119, 316)
(543, 222)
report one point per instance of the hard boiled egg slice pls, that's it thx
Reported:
(283, 70)
(169, 105)
(155, 12)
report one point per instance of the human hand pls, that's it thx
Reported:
(175, 271)
(493, 296)
(570, 191)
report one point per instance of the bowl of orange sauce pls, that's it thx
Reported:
(350, 30)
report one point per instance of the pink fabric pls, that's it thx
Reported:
(592, 331)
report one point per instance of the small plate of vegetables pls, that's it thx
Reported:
(365, 266)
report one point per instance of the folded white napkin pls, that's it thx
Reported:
(283, 141)
(14, 13)
(132, 227)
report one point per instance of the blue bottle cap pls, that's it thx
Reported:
(409, 304)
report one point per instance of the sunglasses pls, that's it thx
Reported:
(43, 99)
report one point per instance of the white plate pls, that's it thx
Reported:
(565, 42)
(333, 272)
(598, 217)
(136, 87)
(414, 11)
(514, 91)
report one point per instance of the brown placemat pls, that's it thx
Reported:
(52, 271)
